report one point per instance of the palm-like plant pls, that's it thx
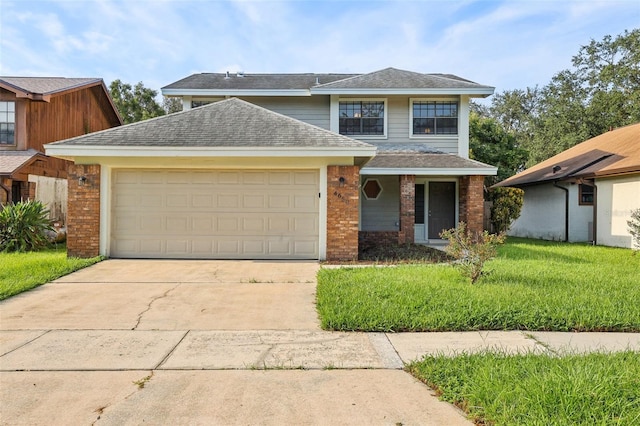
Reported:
(23, 226)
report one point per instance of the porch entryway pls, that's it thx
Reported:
(435, 209)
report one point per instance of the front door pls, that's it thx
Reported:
(442, 207)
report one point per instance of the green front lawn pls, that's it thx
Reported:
(531, 285)
(593, 389)
(23, 271)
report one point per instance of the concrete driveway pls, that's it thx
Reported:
(197, 342)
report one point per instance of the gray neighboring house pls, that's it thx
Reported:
(275, 166)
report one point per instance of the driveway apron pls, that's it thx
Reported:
(197, 342)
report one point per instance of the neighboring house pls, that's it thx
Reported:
(292, 166)
(585, 193)
(38, 110)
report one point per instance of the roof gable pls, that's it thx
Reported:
(231, 123)
(392, 78)
(45, 85)
(611, 153)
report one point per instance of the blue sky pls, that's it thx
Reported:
(506, 44)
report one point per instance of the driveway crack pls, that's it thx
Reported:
(151, 302)
(140, 384)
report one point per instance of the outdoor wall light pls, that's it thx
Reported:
(341, 180)
(82, 180)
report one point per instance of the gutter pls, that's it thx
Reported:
(566, 210)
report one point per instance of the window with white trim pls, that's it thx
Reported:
(434, 118)
(7, 122)
(361, 118)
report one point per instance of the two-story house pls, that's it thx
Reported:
(38, 110)
(287, 166)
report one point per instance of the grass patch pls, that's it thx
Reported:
(493, 388)
(23, 271)
(531, 285)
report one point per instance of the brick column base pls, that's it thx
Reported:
(83, 211)
(472, 203)
(406, 234)
(343, 188)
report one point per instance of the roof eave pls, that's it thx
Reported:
(73, 151)
(479, 92)
(235, 92)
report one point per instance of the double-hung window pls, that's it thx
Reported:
(7, 122)
(362, 117)
(434, 118)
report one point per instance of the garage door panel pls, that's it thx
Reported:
(215, 214)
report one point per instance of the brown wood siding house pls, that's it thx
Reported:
(39, 110)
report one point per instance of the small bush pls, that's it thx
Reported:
(471, 251)
(23, 226)
(634, 228)
(507, 206)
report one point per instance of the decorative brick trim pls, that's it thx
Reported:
(343, 185)
(407, 209)
(83, 211)
(472, 202)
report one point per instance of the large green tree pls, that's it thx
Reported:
(490, 143)
(135, 103)
(599, 92)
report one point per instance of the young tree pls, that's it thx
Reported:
(135, 103)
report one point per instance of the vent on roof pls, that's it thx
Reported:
(227, 76)
(317, 81)
(240, 74)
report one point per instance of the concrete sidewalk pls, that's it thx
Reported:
(131, 342)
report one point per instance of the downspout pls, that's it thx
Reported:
(566, 210)
(595, 214)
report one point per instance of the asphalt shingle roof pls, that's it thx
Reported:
(10, 161)
(389, 78)
(392, 78)
(47, 85)
(229, 123)
(205, 81)
(611, 153)
(428, 160)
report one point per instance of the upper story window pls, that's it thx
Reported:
(196, 104)
(434, 118)
(362, 118)
(7, 122)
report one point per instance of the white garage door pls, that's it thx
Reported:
(215, 214)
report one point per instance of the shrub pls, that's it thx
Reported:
(634, 228)
(507, 206)
(471, 251)
(23, 226)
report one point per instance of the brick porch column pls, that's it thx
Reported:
(472, 202)
(407, 209)
(343, 189)
(83, 211)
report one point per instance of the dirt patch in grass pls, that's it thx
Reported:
(395, 254)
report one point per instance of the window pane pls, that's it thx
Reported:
(447, 126)
(423, 126)
(11, 117)
(361, 118)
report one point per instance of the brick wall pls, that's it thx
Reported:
(343, 187)
(83, 211)
(472, 202)
(407, 209)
